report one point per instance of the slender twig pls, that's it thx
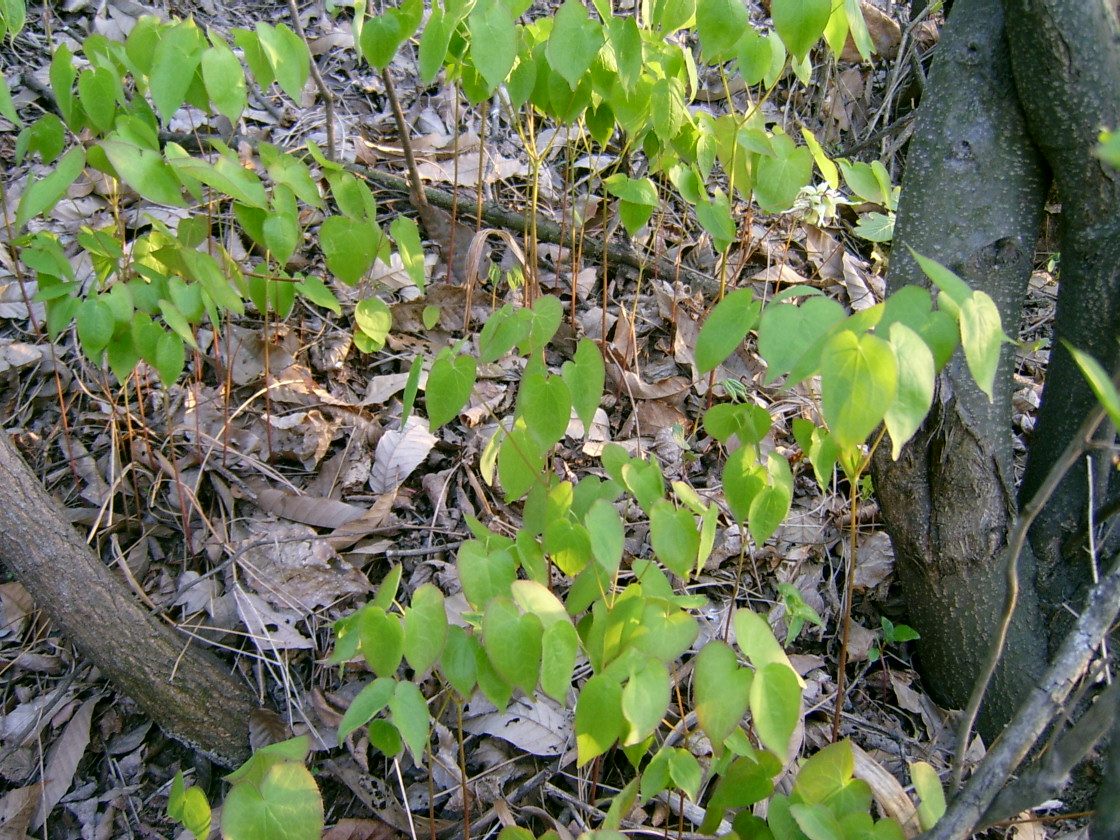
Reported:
(324, 91)
(415, 185)
(849, 588)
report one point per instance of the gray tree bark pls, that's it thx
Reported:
(1066, 58)
(180, 686)
(972, 199)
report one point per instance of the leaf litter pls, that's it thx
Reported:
(273, 497)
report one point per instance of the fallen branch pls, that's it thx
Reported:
(183, 688)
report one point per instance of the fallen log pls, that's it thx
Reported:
(182, 687)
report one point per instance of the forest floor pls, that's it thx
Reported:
(230, 546)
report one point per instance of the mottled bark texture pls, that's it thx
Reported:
(1066, 59)
(972, 199)
(180, 686)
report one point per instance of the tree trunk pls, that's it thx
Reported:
(1066, 58)
(972, 199)
(180, 686)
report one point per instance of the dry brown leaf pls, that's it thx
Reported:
(15, 606)
(623, 345)
(782, 275)
(18, 354)
(196, 593)
(825, 252)
(453, 238)
(375, 795)
(16, 808)
(330, 353)
(635, 388)
(248, 357)
(860, 642)
(478, 254)
(451, 301)
(348, 469)
(266, 727)
(62, 760)
(309, 510)
(27, 720)
(907, 697)
(12, 297)
(921, 705)
(884, 30)
(296, 385)
(656, 416)
(1029, 828)
(304, 436)
(374, 519)
(351, 829)
(464, 171)
(95, 490)
(339, 40)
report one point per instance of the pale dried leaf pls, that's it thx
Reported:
(330, 353)
(864, 289)
(887, 791)
(335, 41)
(62, 760)
(453, 238)
(127, 742)
(305, 436)
(874, 560)
(296, 385)
(15, 606)
(95, 491)
(635, 388)
(347, 469)
(290, 566)
(271, 630)
(907, 698)
(29, 718)
(380, 389)
(17, 354)
(623, 345)
(860, 642)
(399, 452)
(451, 300)
(540, 728)
(39, 663)
(195, 592)
(464, 170)
(12, 298)
(804, 663)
